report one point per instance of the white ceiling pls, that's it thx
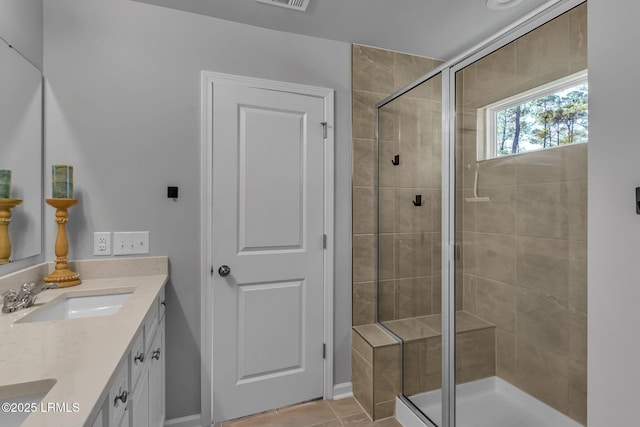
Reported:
(434, 28)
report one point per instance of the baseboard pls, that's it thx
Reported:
(342, 391)
(189, 421)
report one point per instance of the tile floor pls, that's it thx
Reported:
(318, 413)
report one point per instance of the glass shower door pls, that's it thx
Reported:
(409, 233)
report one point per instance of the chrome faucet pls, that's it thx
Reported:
(25, 297)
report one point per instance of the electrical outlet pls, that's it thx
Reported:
(130, 242)
(102, 243)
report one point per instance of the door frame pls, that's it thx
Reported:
(208, 81)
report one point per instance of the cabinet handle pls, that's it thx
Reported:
(122, 396)
(156, 354)
(139, 358)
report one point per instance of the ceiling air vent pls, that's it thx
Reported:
(289, 4)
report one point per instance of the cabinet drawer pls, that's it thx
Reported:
(137, 359)
(119, 395)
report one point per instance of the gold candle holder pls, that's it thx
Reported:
(5, 218)
(62, 274)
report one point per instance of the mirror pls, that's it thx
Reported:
(21, 149)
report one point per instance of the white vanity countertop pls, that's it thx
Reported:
(82, 355)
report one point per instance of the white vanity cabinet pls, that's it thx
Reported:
(137, 392)
(146, 361)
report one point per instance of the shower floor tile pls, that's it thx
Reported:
(493, 402)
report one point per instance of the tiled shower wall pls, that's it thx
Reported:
(377, 73)
(525, 252)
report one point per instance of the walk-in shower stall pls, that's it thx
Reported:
(482, 230)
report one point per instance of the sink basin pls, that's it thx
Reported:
(23, 399)
(78, 306)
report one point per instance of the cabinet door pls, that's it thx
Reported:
(156, 380)
(140, 403)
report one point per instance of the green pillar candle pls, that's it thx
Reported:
(62, 181)
(5, 184)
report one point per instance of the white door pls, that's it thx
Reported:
(267, 227)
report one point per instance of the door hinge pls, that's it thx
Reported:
(324, 129)
(324, 351)
(324, 241)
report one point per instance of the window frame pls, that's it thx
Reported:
(487, 115)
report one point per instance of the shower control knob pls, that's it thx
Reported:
(224, 270)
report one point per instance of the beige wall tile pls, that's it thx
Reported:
(364, 163)
(372, 69)
(364, 303)
(469, 159)
(384, 410)
(362, 380)
(469, 290)
(577, 195)
(497, 74)
(542, 210)
(578, 332)
(388, 121)
(411, 218)
(542, 55)
(364, 114)
(578, 391)
(543, 374)
(505, 355)
(414, 359)
(409, 68)
(387, 210)
(386, 371)
(413, 297)
(539, 166)
(498, 172)
(578, 272)
(387, 300)
(498, 215)
(414, 170)
(364, 349)
(543, 321)
(375, 335)
(436, 254)
(496, 303)
(543, 265)
(364, 258)
(413, 255)
(468, 242)
(478, 354)
(578, 38)
(387, 257)
(436, 295)
(496, 257)
(364, 210)
(467, 210)
(575, 162)
(389, 172)
(433, 369)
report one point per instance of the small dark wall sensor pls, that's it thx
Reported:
(638, 200)
(172, 192)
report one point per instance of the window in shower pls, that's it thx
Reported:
(547, 116)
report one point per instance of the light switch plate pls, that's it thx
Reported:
(130, 242)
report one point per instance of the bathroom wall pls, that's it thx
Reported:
(524, 253)
(21, 26)
(123, 106)
(376, 73)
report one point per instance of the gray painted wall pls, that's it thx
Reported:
(21, 26)
(123, 106)
(614, 227)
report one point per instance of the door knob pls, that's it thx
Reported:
(224, 270)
